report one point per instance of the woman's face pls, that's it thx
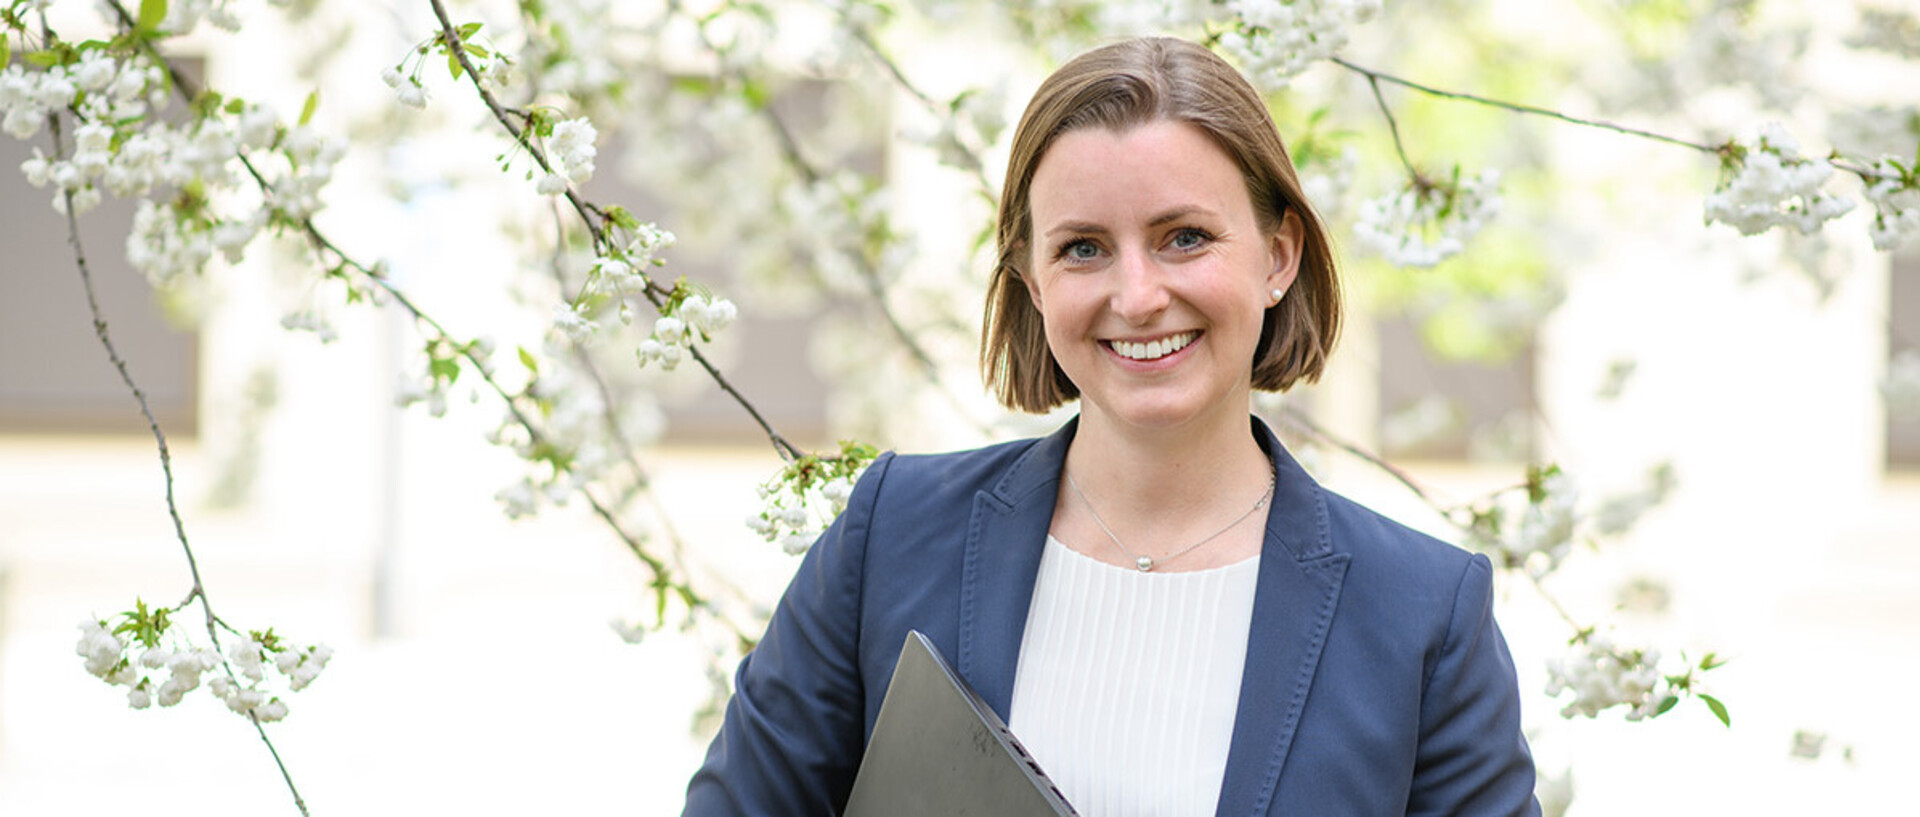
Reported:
(1151, 273)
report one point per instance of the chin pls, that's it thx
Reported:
(1159, 415)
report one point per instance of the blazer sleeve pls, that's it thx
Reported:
(793, 732)
(1472, 757)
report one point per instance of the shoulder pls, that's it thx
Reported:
(1363, 532)
(919, 479)
(1394, 566)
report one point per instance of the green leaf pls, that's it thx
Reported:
(152, 13)
(1719, 710)
(526, 359)
(6, 50)
(44, 59)
(235, 106)
(453, 63)
(755, 93)
(444, 368)
(468, 30)
(1712, 661)
(476, 50)
(1666, 704)
(313, 102)
(622, 219)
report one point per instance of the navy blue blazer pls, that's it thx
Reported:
(1376, 681)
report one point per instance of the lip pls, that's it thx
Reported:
(1159, 362)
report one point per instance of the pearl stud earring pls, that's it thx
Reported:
(1277, 295)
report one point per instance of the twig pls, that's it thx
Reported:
(1376, 76)
(1393, 126)
(975, 165)
(166, 463)
(654, 293)
(1303, 422)
(869, 272)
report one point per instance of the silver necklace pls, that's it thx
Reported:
(1147, 563)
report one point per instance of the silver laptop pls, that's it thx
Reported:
(938, 749)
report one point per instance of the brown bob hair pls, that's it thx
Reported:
(1118, 87)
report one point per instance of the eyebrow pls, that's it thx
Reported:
(1088, 227)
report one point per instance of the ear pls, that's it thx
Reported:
(1027, 278)
(1285, 246)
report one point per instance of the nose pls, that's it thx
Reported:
(1140, 291)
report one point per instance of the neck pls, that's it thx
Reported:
(1152, 472)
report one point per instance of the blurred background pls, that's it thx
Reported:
(1771, 383)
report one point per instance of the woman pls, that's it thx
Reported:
(1173, 617)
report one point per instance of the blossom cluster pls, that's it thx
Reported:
(493, 68)
(613, 281)
(308, 320)
(570, 154)
(1767, 183)
(1894, 191)
(1602, 676)
(581, 440)
(154, 673)
(806, 496)
(1276, 41)
(1535, 536)
(1327, 181)
(1428, 222)
(683, 318)
(971, 124)
(444, 356)
(1618, 514)
(183, 174)
(844, 234)
(795, 517)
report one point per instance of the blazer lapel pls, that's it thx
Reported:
(1005, 537)
(1298, 588)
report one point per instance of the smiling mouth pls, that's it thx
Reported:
(1152, 350)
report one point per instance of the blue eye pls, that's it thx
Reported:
(1189, 239)
(1081, 250)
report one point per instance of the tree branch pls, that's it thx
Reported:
(166, 460)
(1376, 77)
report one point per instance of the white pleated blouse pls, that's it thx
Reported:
(1127, 683)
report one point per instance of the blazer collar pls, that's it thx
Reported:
(1293, 605)
(1005, 537)
(1298, 588)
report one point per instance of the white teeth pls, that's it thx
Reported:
(1153, 350)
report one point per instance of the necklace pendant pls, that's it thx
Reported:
(1145, 564)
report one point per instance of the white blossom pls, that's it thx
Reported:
(572, 320)
(796, 543)
(571, 146)
(1546, 527)
(257, 127)
(551, 184)
(1275, 40)
(1896, 203)
(309, 321)
(273, 710)
(631, 633)
(519, 500)
(1425, 222)
(100, 647)
(497, 72)
(1769, 184)
(37, 170)
(1601, 676)
(412, 94)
